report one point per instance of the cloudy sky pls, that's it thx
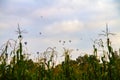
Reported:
(75, 20)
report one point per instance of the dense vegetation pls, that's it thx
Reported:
(87, 67)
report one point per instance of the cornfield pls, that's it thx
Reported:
(87, 67)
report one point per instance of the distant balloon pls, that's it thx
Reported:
(63, 41)
(40, 33)
(25, 43)
(59, 41)
(41, 16)
(37, 52)
(70, 41)
(77, 49)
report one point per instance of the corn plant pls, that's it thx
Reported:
(15, 66)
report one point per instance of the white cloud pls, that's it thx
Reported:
(65, 27)
(65, 7)
(51, 11)
(62, 7)
(3, 25)
(95, 10)
(12, 21)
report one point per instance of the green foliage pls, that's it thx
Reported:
(87, 67)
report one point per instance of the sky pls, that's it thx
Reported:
(77, 20)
